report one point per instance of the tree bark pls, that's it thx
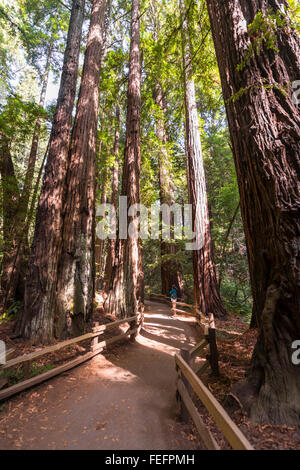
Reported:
(264, 124)
(206, 289)
(75, 286)
(37, 320)
(10, 200)
(25, 196)
(99, 244)
(127, 284)
(111, 247)
(15, 266)
(171, 273)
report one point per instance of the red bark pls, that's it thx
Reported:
(75, 286)
(37, 319)
(206, 289)
(264, 124)
(127, 284)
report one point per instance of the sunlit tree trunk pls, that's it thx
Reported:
(99, 243)
(206, 289)
(24, 200)
(170, 269)
(264, 124)
(127, 283)
(111, 246)
(40, 289)
(75, 287)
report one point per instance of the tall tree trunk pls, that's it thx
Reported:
(206, 289)
(127, 284)
(75, 287)
(15, 266)
(10, 200)
(170, 269)
(25, 196)
(99, 243)
(111, 246)
(40, 287)
(264, 124)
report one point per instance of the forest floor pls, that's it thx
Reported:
(125, 397)
(121, 399)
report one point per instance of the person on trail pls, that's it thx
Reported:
(173, 295)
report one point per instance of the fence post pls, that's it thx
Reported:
(94, 341)
(213, 355)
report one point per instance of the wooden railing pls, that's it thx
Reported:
(188, 382)
(166, 299)
(135, 324)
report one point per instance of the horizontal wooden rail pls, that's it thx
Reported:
(232, 433)
(56, 347)
(196, 349)
(97, 349)
(20, 387)
(204, 432)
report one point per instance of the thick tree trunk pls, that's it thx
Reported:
(127, 284)
(75, 287)
(206, 289)
(111, 246)
(40, 289)
(171, 273)
(265, 132)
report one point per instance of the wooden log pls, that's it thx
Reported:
(232, 433)
(204, 433)
(196, 349)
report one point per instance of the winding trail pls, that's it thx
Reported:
(122, 399)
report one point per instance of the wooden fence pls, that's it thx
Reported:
(96, 347)
(165, 299)
(189, 384)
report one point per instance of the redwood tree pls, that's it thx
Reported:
(127, 282)
(206, 289)
(37, 318)
(170, 269)
(258, 52)
(111, 246)
(75, 286)
(14, 264)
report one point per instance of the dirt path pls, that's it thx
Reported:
(123, 399)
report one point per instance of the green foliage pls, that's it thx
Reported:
(15, 376)
(263, 33)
